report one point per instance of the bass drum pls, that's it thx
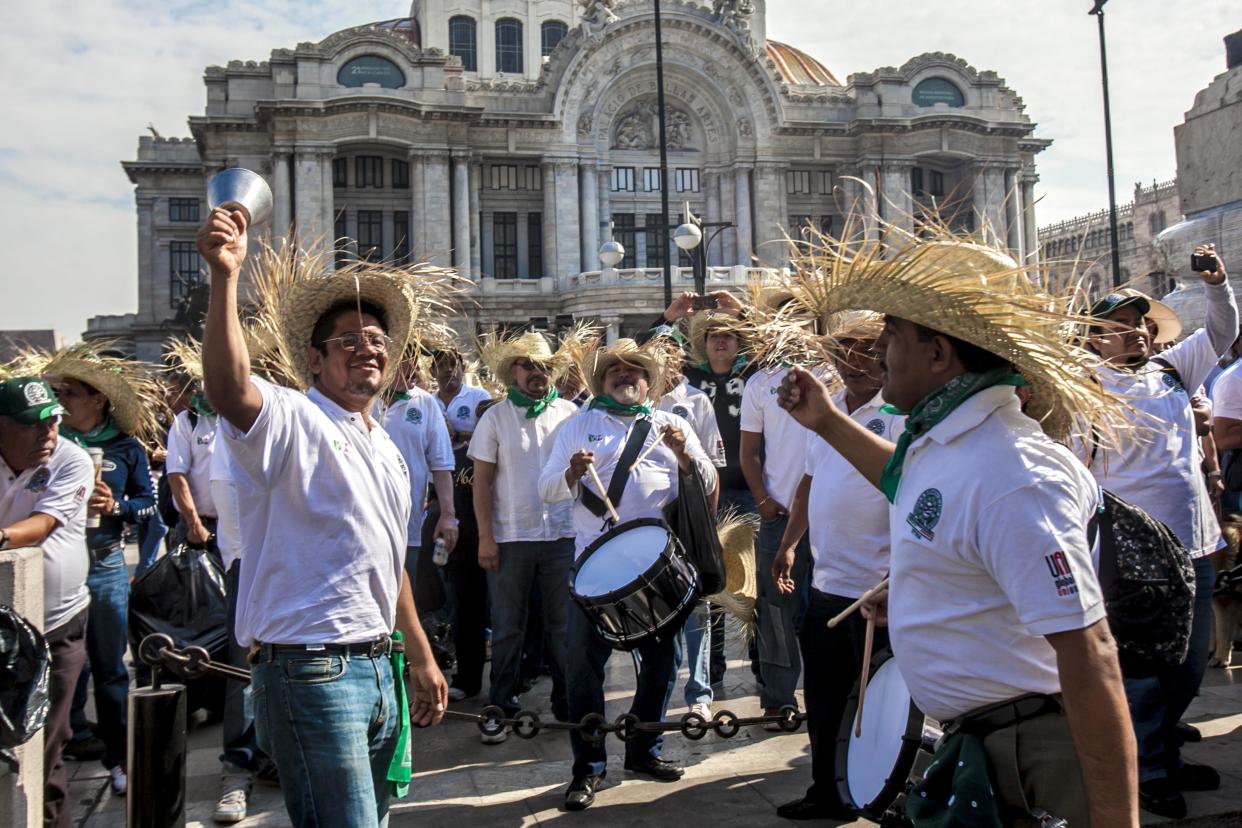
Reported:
(634, 581)
(896, 745)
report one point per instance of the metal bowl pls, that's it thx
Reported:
(240, 189)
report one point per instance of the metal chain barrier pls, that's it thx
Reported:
(190, 663)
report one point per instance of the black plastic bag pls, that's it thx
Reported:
(25, 665)
(691, 519)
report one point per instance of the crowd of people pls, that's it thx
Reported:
(913, 429)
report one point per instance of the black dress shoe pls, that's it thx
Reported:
(1192, 777)
(807, 809)
(657, 769)
(581, 792)
(1162, 798)
(1187, 732)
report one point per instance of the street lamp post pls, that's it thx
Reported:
(689, 236)
(664, 222)
(1098, 11)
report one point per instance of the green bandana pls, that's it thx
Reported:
(932, 409)
(101, 433)
(739, 364)
(956, 789)
(399, 769)
(199, 403)
(609, 404)
(533, 407)
(402, 396)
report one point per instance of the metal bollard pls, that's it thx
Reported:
(157, 754)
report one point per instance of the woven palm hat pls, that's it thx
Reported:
(854, 324)
(649, 357)
(306, 300)
(705, 323)
(500, 354)
(973, 293)
(737, 532)
(185, 355)
(134, 396)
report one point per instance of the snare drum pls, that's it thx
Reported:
(897, 742)
(634, 581)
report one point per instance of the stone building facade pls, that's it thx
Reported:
(1080, 249)
(505, 138)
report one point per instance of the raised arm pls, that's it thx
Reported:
(226, 362)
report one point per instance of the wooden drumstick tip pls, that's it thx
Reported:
(599, 484)
(866, 668)
(864, 598)
(659, 438)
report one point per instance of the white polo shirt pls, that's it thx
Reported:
(189, 453)
(696, 408)
(989, 555)
(848, 516)
(652, 485)
(1227, 393)
(416, 425)
(519, 448)
(228, 507)
(1158, 470)
(58, 489)
(461, 412)
(784, 440)
(325, 504)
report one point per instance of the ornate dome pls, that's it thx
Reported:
(797, 67)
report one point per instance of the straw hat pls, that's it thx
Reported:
(976, 294)
(185, 355)
(737, 532)
(649, 357)
(705, 323)
(499, 355)
(134, 396)
(854, 325)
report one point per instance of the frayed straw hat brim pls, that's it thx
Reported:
(703, 324)
(500, 354)
(648, 358)
(737, 532)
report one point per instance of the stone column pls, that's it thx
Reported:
(588, 198)
(988, 200)
(329, 212)
(282, 205)
(1030, 233)
(742, 214)
(604, 188)
(418, 214)
(897, 203)
(711, 186)
(1013, 223)
(308, 207)
(523, 244)
(548, 169)
(568, 227)
(437, 208)
(147, 267)
(461, 214)
(612, 329)
(476, 231)
(771, 214)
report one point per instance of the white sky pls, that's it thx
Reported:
(83, 79)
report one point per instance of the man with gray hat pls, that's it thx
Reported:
(44, 486)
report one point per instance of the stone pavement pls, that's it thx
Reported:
(460, 782)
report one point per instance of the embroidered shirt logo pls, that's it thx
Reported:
(594, 438)
(1171, 381)
(39, 480)
(1062, 574)
(79, 495)
(341, 446)
(463, 412)
(876, 426)
(681, 411)
(108, 465)
(36, 394)
(414, 416)
(204, 439)
(926, 514)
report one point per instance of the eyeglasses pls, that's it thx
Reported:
(377, 342)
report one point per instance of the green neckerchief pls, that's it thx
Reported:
(932, 409)
(956, 789)
(739, 364)
(399, 769)
(402, 396)
(533, 407)
(199, 403)
(101, 433)
(609, 404)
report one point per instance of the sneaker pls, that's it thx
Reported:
(1162, 798)
(234, 791)
(702, 709)
(84, 750)
(119, 781)
(494, 738)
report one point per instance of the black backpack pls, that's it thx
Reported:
(1148, 582)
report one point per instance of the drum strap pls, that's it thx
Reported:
(620, 475)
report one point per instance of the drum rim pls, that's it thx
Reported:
(906, 756)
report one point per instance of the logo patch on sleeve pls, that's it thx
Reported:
(926, 514)
(414, 416)
(39, 480)
(876, 426)
(1062, 573)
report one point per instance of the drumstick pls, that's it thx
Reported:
(647, 450)
(866, 668)
(599, 484)
(866, 596)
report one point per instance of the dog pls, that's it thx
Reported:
(1227, 597)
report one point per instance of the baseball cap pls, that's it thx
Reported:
(1120, 299)
(29, 400)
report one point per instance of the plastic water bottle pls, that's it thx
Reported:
(440, 555)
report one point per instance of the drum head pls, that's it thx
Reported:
(873, 768)
(620, 559)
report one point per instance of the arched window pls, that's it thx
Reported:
(463, 41)
(509, 45)
(1158, 222)
(552, 31)
(932, 91)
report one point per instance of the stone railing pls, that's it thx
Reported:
(683, 277)
(21, 793)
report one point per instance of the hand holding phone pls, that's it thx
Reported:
(707, 302)
(1203, 264)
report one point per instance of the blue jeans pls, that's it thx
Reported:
(106, 630)
(241, 747)
(329, 722)
(1157, 703)
(521, 564)
(695, 641)
(586, 656)
(780, 616)
(151, 532)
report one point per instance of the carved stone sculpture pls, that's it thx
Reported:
(596, 15)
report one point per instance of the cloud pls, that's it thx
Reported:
(84, 79)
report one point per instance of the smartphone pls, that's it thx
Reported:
(1202, 264)
(706, 303)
